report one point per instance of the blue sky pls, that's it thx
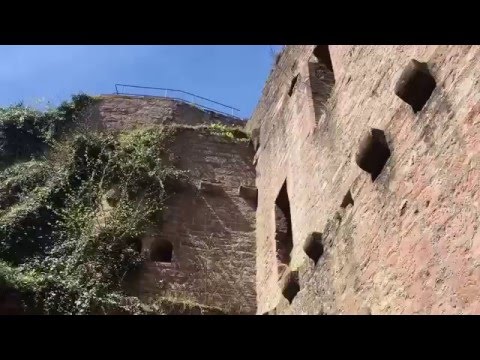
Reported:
(230, 74)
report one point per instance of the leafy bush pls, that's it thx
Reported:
(26, 132)
(228, 132)
(71, 221)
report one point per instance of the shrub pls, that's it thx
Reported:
(228, 132)
(71, 219)
(26, 132)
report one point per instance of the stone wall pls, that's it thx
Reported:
(211, 228)
(405, 241)
(116, 112)
(209, 224)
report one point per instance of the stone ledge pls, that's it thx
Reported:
(211, 188)
(248, 192)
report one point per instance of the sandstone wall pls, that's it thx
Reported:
(115, 112)
(407, 242)
(210, 227)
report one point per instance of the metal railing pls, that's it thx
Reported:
(179, 95)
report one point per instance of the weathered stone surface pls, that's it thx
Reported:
(400, 238)
(255, 137)
(116, 112)
(213, 237)
(211, 188)
(410, 243)
(248, 192)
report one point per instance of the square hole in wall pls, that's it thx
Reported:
(161, 251)
(373, 152)
(415, 85)
(291, 286)
(313, 246)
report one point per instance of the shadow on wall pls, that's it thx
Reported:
(222, 260)
(209, 265)
(194, 116)
(443, 111)
(208, 156)
(225, 213)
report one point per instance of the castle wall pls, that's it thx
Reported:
(210, 226)
(116, 112)
(410, 242)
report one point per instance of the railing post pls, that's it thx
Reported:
(166, 92)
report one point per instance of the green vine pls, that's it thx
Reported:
(74, 208)
(228, 132)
